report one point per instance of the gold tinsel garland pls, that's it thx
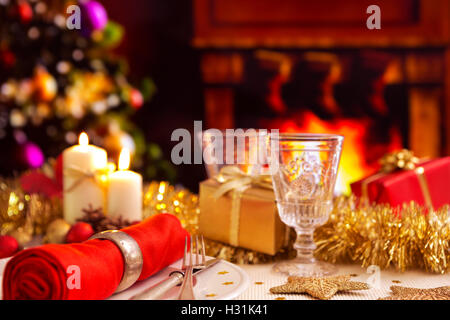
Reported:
(405, 238)
(23, 215)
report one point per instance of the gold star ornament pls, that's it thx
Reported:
(322, 288)
(404, 293)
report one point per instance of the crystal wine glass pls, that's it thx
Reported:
(304, 169)
(243, 148)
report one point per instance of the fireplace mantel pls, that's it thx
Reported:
(324, 23)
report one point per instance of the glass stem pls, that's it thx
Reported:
(305, 245)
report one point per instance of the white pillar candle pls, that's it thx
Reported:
(80, 164)
(125, 191)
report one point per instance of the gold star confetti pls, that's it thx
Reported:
(404, 293)
(259, 282)
(280, 298)
(227, 283)
(210, 295)
(322, 288)
(222, 272)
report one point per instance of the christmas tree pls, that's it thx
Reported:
(59, 77)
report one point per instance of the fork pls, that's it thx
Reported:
(187, 290)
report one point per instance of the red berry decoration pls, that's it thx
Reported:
(8, 246)
(80, 231)
(136, 99)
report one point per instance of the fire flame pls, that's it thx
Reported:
(353, 165)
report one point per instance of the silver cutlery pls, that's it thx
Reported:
(175, 278)
(187, 288)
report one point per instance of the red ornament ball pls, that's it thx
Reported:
(136, 99)
(25, 12)
(7, 58)
(79, 232)
(8, 246)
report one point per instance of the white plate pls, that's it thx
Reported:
(223, 281)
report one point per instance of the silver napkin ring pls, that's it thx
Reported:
(131, 253)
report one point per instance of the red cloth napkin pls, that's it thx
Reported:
(43, 272)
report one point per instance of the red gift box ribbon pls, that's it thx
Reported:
(403, 160)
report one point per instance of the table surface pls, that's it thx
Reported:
(262, 278)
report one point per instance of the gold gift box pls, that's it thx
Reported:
(259, 227)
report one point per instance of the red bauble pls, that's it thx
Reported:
(80, 231)
(8, 246)
(136, 99)
(25, 12)
(7, 58)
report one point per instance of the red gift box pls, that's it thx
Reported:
(428, 184)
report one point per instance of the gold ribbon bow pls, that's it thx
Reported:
(99, 177)
(401, 160)
(234, 179)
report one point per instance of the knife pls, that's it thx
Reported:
(175, 278)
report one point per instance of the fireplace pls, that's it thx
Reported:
(267, 64)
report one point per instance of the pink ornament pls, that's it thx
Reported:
(32, 155)
(93, 17)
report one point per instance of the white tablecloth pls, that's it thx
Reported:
(262, 278)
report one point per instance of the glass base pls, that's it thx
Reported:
(299, 268)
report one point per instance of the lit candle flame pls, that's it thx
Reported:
(83, 140)
(124, 159)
